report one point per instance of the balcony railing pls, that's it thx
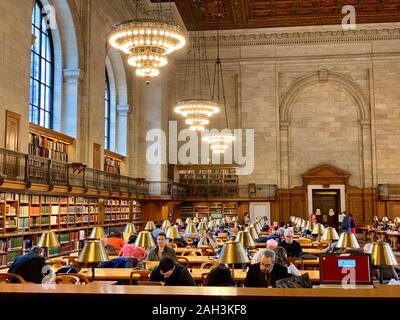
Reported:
(16, 166)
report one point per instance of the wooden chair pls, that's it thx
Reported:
(304, 241)
(82, 278)
(57, 263)
(172, 245)
(143, 276)
(65, 279)
(71, 260)
(208, 251)
(209, 264)
(183, 261)
(10, 277)
(220, 242)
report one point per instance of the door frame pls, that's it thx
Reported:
(342, 192)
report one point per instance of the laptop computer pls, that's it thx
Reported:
(347, 271)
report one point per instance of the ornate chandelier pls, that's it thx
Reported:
(197, 112)
(198, 105)
(219, 142)
(147, 42)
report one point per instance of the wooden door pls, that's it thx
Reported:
(96, 156)
(326, 200)
(12, 130)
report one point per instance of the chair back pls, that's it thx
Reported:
(304, 241)
(183, 261)
(209, 264)
(66, 279)
(11, 278)
(139, 275)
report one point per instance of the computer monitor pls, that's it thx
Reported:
(345, 269)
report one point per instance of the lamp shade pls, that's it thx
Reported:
(318, 229)
(233, 252)
(376, 218)
(205, 219)
(309, 226)
(303, 223)
(97, 233)
(385, 219)
(202, 226)
(92, 252)
(396, 220)
(179, 221)
(144, 240)
(347, 240)
(252, 232)
(218, 222)
(166, 224)
(188, 220)
(196, 220)
(150, 226)
(48, 240)
(245, 239)
(212, 224)
(330, 234)
(173, 232)
(191, 228)
(130, 228)
(382, 254)
(257, 227)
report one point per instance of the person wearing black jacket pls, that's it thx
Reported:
(265, 273)
(170, 273)
(29, 266)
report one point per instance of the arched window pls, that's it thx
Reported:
(107, 113)
(42, 72)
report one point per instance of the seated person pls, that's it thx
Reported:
(29, 266)
(293, 248)
(273, 235)
(282, 259)
(115, 240)
(265, 273)
(271, 245)
(170, 273)
(121, 262)
(157, 230)
(130, 250)
(180, 242)
(222, 229)
(161, 250)
(220, 276)
(181, 227)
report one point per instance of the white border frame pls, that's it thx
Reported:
(341, 187)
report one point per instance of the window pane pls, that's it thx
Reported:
(41, 98)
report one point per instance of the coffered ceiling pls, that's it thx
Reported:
(234, 14)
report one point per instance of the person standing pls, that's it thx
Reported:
(345, 225)
(352, 223)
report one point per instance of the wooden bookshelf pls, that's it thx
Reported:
(49, 144)
(214, 209)
(112, 162)
(210, 181)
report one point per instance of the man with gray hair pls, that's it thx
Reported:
(266, 272)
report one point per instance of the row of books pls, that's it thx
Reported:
(47, 153)
(45, 142)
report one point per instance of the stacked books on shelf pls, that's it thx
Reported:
(112, 165)
(46, 147)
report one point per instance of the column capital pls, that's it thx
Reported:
(365, 123)
(72, 76)
(123, 109)
(284, 125)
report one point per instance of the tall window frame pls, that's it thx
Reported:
(41, 102)
(107, 112)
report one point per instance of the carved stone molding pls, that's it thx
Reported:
(260, 38)
(344, 81)
(72, 76)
